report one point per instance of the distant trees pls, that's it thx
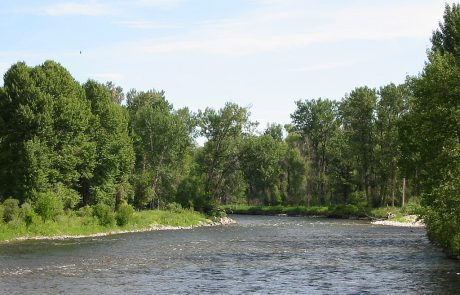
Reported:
(219, 160)
(162, 139)
(316, 120)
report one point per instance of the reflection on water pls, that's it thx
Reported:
(260, 255)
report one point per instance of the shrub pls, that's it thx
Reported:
(358, 199)
(104, 214)
(124, 214)
(345, 211)
(1, 213)
(10, 209)
(28, 214)
(86, 211)
(412, 207)
(174, 207)
(70, 198)
(48, 205)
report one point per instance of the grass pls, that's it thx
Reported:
(339, 211)
(274, 210)
(71, 224)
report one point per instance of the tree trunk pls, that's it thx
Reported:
(403, 192)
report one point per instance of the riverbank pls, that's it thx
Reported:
(72, 226)
(405, 221)
(380, 216)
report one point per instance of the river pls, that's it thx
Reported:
(258, 255)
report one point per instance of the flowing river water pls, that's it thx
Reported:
(258, 255)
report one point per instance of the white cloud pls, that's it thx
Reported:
(274, 27)
(75, 8)
(163, 4)
(146, 25)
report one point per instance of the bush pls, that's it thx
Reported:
(174, 207)
(358, 199)
(104, 214)
(124, 214)
(345, 211)
(86, 211)
(412, 207)
(70, 198)
(48, 205)
(28, 214)
(1, 213)
(10, 209)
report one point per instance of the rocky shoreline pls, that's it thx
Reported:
(408, 221)
(153, 227)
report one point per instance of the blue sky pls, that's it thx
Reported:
(262, 54)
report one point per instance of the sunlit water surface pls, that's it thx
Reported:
(259, 255)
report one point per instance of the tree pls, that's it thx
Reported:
(434, 123)
(219, 160)
(316, 122)
(114, 152)
(45, 131)
(162, 137)
(295, 169)
(261, 159)
(390, 107)
(358, 118)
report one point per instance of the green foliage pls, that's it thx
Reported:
(276, 210)
(317, 123)
(114, 150)
(260, 158)
(174, 207)
(219, 159)
(162, 138)
(346, 211)
(2, 209)
(124, 214)
(28, 214)
(432, 127)
(10, 209)
(70, 198)
(104, 214)
(48, 205)
(358, 199)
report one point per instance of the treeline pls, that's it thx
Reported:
(72, 144)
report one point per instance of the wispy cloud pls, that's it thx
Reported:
(91, 8)
(163, 4)
(274, 27)
(147, 25)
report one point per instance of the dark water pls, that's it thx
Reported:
(260, 255)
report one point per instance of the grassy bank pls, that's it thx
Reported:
(73, 224)
(340, 211)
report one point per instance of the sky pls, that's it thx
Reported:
(260, 54)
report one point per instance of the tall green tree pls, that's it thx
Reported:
(435, 130)
(114, 152)
(261, 159)
(219, 161)
(45, 131)
(358, 119)
(392, 104)
(162, 137)
(316, 122)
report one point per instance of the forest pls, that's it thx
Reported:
(66, 146)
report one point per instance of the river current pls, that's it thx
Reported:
(258, 255)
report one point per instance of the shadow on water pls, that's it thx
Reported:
(260, 255)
